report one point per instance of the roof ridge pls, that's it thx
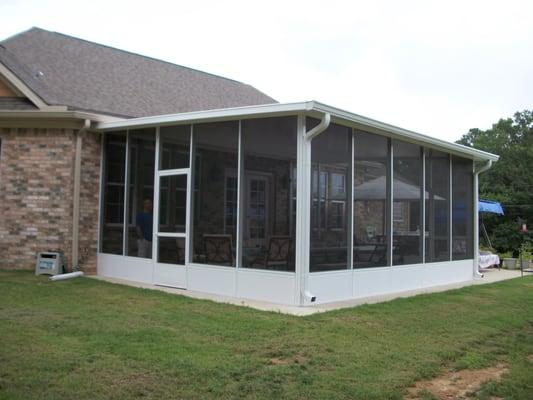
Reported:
(35, 28)
(19, 34)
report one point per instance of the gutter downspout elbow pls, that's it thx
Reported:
(76, 195)
(478, 171)
(321, 127)
(485, 167)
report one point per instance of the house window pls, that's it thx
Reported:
(338, 184)
(230, 207)
(398, 213)
(329, 205)
(337, 215)
(256, 218)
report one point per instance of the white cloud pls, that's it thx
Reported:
(435, 67)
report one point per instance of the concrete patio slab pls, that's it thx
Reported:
(489, 276)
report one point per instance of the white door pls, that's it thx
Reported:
(171, 240)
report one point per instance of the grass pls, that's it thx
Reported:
(87, 339)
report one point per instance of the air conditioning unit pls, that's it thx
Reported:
(50, 263)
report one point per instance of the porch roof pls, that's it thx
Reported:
(308, 108)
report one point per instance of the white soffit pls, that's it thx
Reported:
(310, 108)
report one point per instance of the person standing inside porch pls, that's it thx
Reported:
(144, 226)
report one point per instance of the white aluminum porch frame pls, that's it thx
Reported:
(303, 185)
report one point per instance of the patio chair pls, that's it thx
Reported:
(379, 255)
(218, 249)
(278, 253)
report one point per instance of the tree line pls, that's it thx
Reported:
(510, 180)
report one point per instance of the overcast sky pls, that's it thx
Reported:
(435, 67)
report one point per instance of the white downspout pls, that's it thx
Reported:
(304, 190)
(76, 195)
(477, 171)
(321, 127)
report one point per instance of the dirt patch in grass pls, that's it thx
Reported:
(456, 384)
(530, 358)
(297, 359)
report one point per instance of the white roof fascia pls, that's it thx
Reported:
(309, 107)
(391, 130)
(210, 115)
(38, 114)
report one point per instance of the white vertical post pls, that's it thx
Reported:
(475, 221)
(189, 203)
(125, 227)
(352, 213)
(423, 207)
(240, 202)
(303, 210)
(391, 204)
(450, 222)
(350, 195)
(155, 224)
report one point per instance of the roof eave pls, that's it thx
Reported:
(411, 136)
(39, 114)
(308, 107)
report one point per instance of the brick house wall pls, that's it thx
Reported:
(89, 201)
(36, 192)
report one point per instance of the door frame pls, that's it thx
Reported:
(164, 274)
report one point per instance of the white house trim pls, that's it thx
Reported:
(310, 108)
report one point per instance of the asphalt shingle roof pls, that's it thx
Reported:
(83, 75)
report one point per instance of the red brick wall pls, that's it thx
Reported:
(89, 201)
(36, 185)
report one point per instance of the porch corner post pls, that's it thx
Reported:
(475, 218)
(476, 171)
(303, 210)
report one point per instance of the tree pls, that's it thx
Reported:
(510, 180)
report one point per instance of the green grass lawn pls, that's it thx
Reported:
(86, 339)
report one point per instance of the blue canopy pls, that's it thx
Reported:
(490, 206)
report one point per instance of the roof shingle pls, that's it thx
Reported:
(82, 75)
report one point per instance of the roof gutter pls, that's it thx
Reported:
(38, 114)
(76, 195)
(478, 170)
(311, 108)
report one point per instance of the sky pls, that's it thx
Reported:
(434, 67)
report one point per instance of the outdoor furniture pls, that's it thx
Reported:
(218, 249)
(277, 255)
(522, 269)
(488, 260)
(328, 258)
(370, 254)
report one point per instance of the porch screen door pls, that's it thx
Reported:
(172, 243)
